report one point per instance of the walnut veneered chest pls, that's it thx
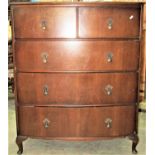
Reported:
(76, 70)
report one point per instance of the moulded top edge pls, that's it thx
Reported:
(133, 4)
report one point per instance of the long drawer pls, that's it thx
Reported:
(76, 89)
(76, 122)
(44, 22)
(48, 56)
(109, 22)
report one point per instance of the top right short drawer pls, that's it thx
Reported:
(109, 22)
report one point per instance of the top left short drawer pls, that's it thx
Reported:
(44, 22)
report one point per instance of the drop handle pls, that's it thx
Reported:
(109, 57)
(44, 57)
(46, 123)
(108, 122)
(110, 23)
(44, 25)
(45, 90)
(108, 89)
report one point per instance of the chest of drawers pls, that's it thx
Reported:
(76, 70)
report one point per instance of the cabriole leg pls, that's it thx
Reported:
(135, 140)
(19, 142)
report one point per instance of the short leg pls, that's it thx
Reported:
(19, 142)
(135, 140)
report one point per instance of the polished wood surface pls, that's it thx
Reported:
(77, 70)
(142, 92)
(80, 3)
(125, 22)
(65, 22)
(72, 89)
(76, 122)
(76, 55)
(45, 22)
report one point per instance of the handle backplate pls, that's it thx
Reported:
(108, 122)
(110, 23)
(109, 57)
(45, 90)
(46, 123)
(44, 25)
(108, 89)
(44, 57)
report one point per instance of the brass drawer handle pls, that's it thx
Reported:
(44, 25)
(44, 57)
(110, 23)
(109, 57)
(46, 123)
(108, 90)
(45, 90)
(108, 122)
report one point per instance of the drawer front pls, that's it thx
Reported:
(76, 89)
(109, 22)
(44, 22)
(48, 56)
(76, 122)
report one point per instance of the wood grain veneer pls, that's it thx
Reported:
(76, 70)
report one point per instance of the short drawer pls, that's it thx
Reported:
(109, 22)
(76, 122)
(48, 56)
(76, 89)
(44, 22)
